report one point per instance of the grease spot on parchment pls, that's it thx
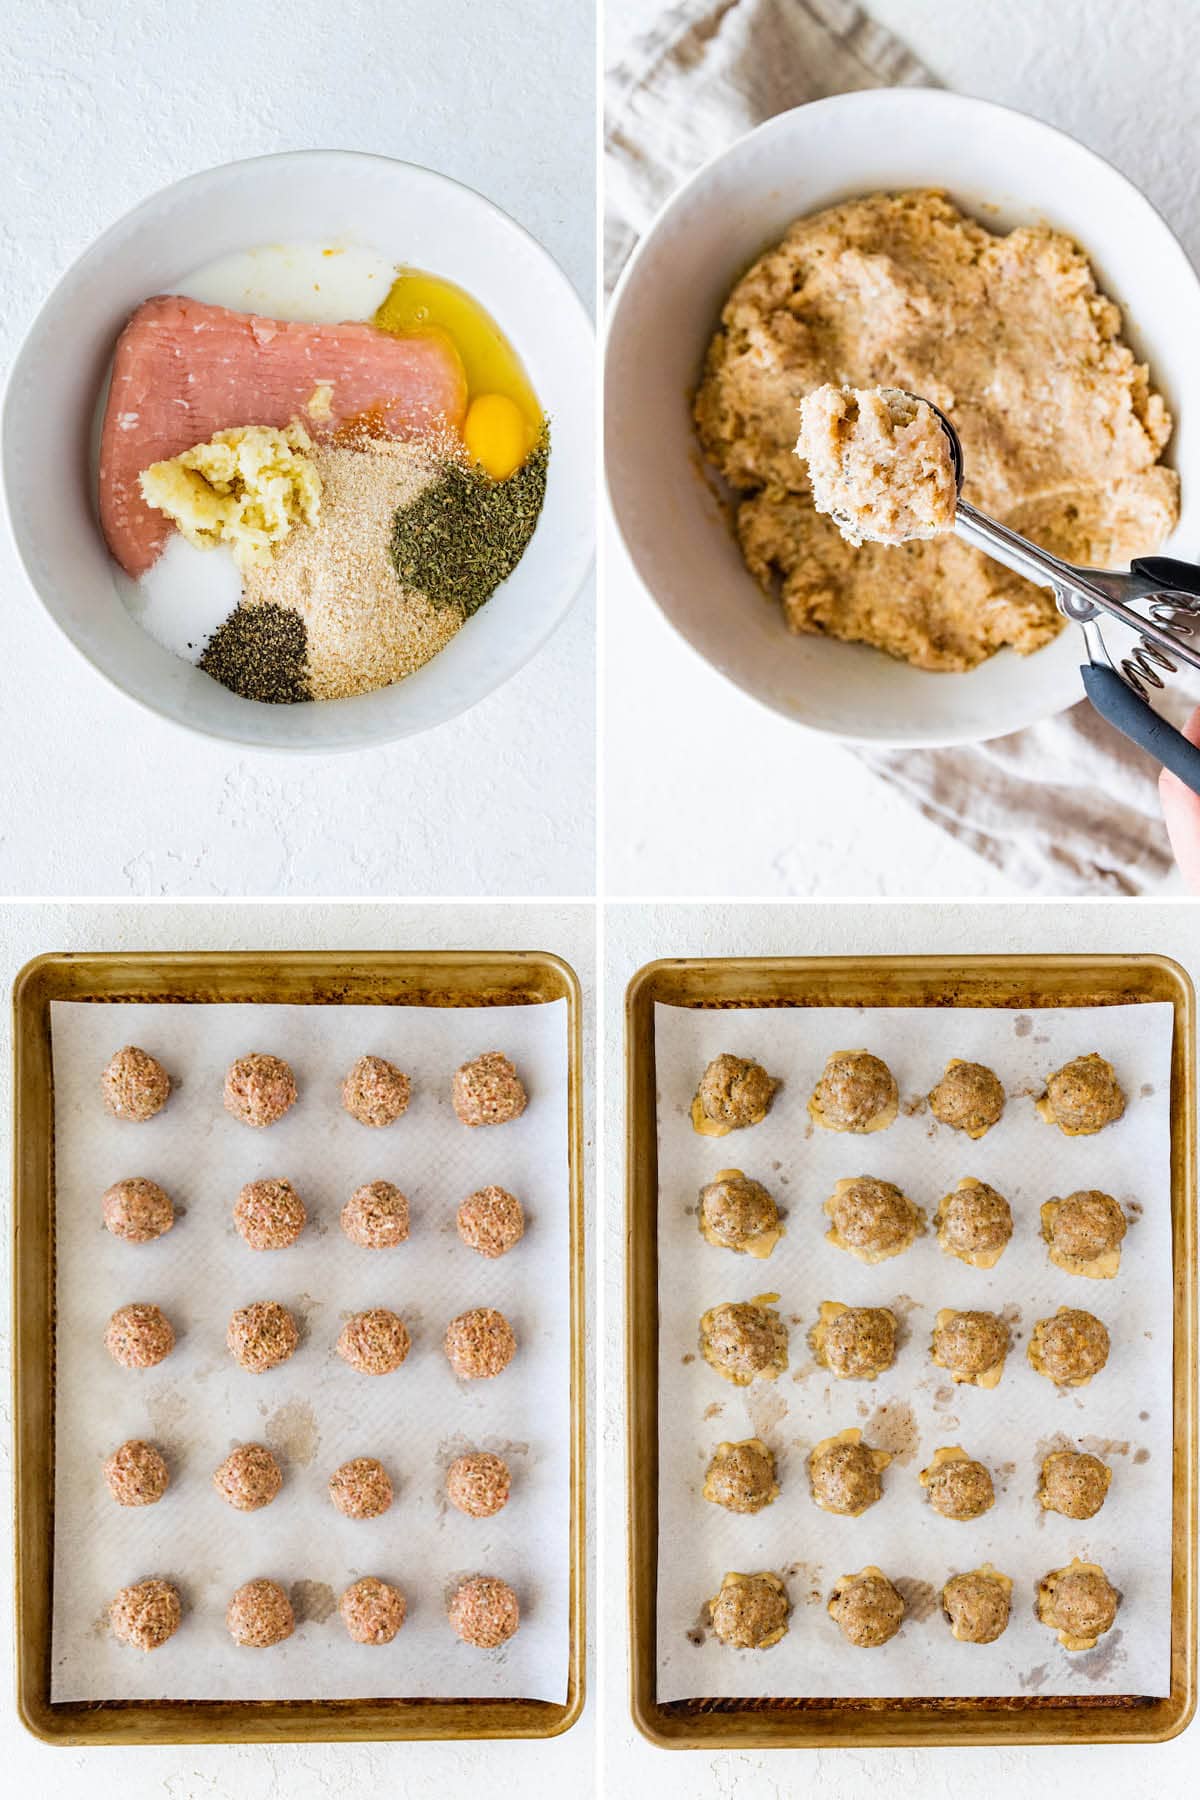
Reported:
(697, 1634)
(1146, 1090)
(690, 1357)
(1034, 1678)
(712, 1409)
(1141, 1456)
(1022, 1025)
(167, 1408)
(893, 1428)
(765, 1411)
(1104, 1660)
(804, 1583)
(291, 1431)
(913, 1105)
(1106, 1446)
(311, 1600)
(920, 1598)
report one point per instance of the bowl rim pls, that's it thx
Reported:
(950, 99)
(575, 578)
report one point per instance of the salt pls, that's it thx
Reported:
(185, 595)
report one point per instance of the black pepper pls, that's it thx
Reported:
(261, 653)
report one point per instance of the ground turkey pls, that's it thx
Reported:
(249, 1478)
(974, 1223)
(734, 1092)
(744, 1340)
(375, 1092)
(146, 1614)
(867, 1608)
(269, 1215)
(1074, 1484)
(478, 1484)
(751, 1611)
(134, 1085)
(136, 1474)
(137, 1210)
(969, 1098)
(741, 1477)
(261, 1336)
(259, 1615)
(977, 1605)
(491, 1222)
(872, 1219)
(479, 1344)
(488, 1091)
(375, 1217)
(1069, 1348)
(372, 1610)
(1083, 1096)
(259, 1089)
(739, 1214)
(139, 1335)
(857, 1092)
(484, 1612)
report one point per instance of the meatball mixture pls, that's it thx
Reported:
(857, 1092)
(739, 1214)
(741, 1477)
(259, 1089)
(880, 463)
(750, 1612)
(488, 1091)
(259, 1615)
(261, 1336)
(867, 1608)
(491, 1222)
(375, 1092)
(484, 1612)
(137, 1210)
(978, 1604)
(134, 1085)
(1074, 1484)
(361, 1488)
(1084, 1233)
(1083, 1097)
(969, 1098)
(374, 1342)
(479, 1344)
(872, 1219)
(855, 1343)
(249, 1478)
(372, 1610)
(478, 1484)
(1079, 1602)
(745, 1340)
(958, 1487)
(375, 1217)
(146, 1614)
(269, 1215)
(136, 1474)
(138, 1336)
(1069, 1348)
(971, 1345)
(734, 1092)
(844, 1474)
(974, 1223)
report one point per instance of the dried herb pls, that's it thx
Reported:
(466, 533)
(260, 652)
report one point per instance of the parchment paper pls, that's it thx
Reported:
(314, 1411)
(1124, 1415)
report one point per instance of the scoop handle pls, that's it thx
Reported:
(1115, 701)
(1167, 572)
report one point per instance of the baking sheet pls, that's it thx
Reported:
(1124, 1415)
(313, 1410)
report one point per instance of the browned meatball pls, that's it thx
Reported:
(958, 1487)
(375, 1092)
(375, 1217)
(374, 1342)
(259, 1615)
(491, 1222)
(867, 1607)
(1074, 1484)
(372, 1610)
(478, 1484)
(857, 1092)
(872, 1219)
(741, 1477)
(1084, 1232)
(137, 1210)
(1083, 1096)
(139, 1335)
(855, 1343)
(972, 1345)
(249, 1478)
(361, 1488)
(484, 1612)
(739, 1214)
(479, 1344)
(845, 1474)
(262, 1335)
(974, 1223)
(488, 1091)
(1079, 1602)
(146, 1614)
(744, 1340)
(978, 1605)
(750, 1612)
(1069, 1348)
(134, 1085)
(969, 1098)
(269, 1215)
(259, 1089)
(136, 1474)
(734, 1092)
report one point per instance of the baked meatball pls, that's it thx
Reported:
(135, 1085)
(491, 1221)
(857, 1092)
(872, 1219)
(374, 1342)
(978, 1604)
(974, 1223)
(137, 1210)
(855, 1343)
(375, 1217)
(259, 1615)
(744, 1340)
(146, 1614)
(139, 1335)
(361, 1488)
(867, 1608)
(958, 1486)
(484, 1612)
(375, 1092)
(741, 1477)
(1069, 1348)
(269, 1215)
(971, 1345)
(1084, 1233)
(478, 1484)
(488, 1091)
(1074, 1484)
(1079, 1602)
(479, 1344)
(136, 1474)
(372, 1610)
(969, 1098)
(734, 1092)
(739, 1214)
(844, 1474)
(1083, 1096)
(249, 1478)
(259, 1089)
(261, 1336)
(750, 1612)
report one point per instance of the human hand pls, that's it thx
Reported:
(1181, 810)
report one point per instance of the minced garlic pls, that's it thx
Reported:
(246, 487)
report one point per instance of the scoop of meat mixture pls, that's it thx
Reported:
(868, 1609)
(361, 1488)
(262, 1335)
(741, 1477)
(880, 463)
(1079, 1602)
(872, 1219)
(739, 1214)
(977, 1605)
(135, 1085)
(249, 1478)
(744, 1340)
(734, 1092)
(146, 1614)
(375, 1092)
(1069, 1348)
(750, 1612)
(846, 1474)
(856, 1092)
(269, 1215)
(478, 1484)
(374, 1342)
(1083, 1230)
(855, 1343)
(969, 1098)
(137, 1210)
(139, 1336)
(488, 1091)
(136, 1474)
(479, 1344)
(259, 1089)
(484, 1612)
(1083, 1096)
(958, 1487)
(491, 1221)
(1074, 1484)
(375, 1217)
(259, 1615)
(974, 1222)
(372, 1610)
(970, 1344)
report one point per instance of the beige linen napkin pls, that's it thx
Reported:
(1068, 806)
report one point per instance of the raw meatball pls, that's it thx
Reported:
(361, 1488)
(741, 1477)
(269, 1214)
(1074, 1484)
(249, 1478)
(479, 1343)
(845, 1474)
(1083, 1096)
(137, 1210)
(478, 1484)
(1069, 1348)
(872, 1219)
(375, 1217)
(372, 1610)
(488, 1091)
(146, 1614)
(136, 1474)
(977, 1605)
(959, 1487)
(972, 1345)
(138, 1336)
(374, 1342)
(1079, 1602)
(867, 1608)
(259, 1089)
(135, 1086)
(751, 1611)
(484, 1612)
(974, 1223)
(491, 1221)
(857, 1092)
(376, 1092)
(259, 1615)
(262, 1335)
(1084, 1233)
(855, 1343)
(969, 1098)
(739, 1214)
(744, 1340)
(733, 1093)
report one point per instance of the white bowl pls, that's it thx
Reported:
(406, 213)
(1000, 165)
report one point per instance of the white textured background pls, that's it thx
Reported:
(103, 102)
(1120, 76)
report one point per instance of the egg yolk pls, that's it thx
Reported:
(496, 435)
